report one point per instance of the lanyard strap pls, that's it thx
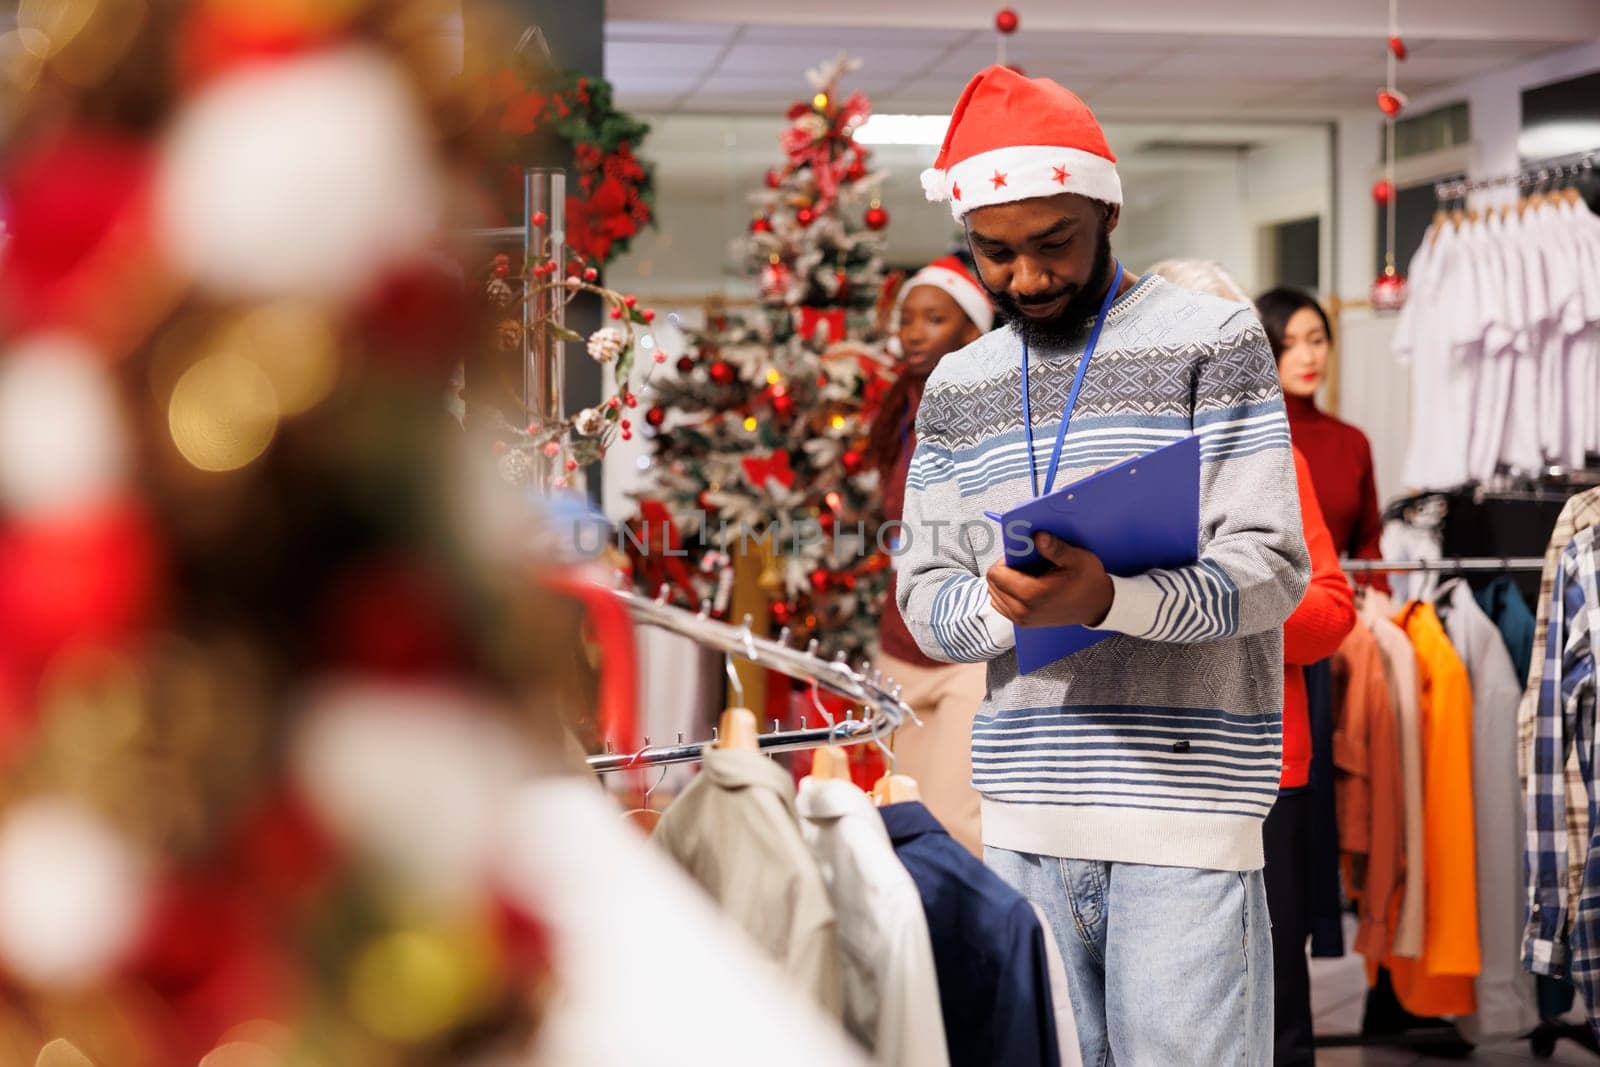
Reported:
(1072, 397)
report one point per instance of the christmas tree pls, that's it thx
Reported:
(758, 436)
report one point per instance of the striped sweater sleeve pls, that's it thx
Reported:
(941, 593)
(1253, 566)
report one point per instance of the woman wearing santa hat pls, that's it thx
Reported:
(942, 308)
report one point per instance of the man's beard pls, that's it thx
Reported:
(1070, 328)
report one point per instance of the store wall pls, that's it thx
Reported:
(1374, 391)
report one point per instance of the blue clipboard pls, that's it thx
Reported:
(1139, 515)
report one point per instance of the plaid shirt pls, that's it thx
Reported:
(1564, 723)
(1580, 513)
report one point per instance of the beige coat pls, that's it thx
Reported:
(735, 830)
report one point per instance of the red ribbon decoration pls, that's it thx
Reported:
(775, 466)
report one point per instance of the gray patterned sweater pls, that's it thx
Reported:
(1160, 745)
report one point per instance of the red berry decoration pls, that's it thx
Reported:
(630, 300)
(1383, 190)
(648, 316)
(590, 274)
(782, 613)
(760, 224)
(722, 372)
(572, 464)
(685, 364)
(856, 171)
(1398, 47)
(616, 313)
(851, 460)
(1391, 101)
(819, 580)
(876, 218)
(656, 416)
(502, 265)
(540, 218)
(660, 357)
(774, 179)
(1006, 21)
(627, 435)
(783, 405)
(805, 216)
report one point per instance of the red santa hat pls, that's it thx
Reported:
(1015, 138)
(951, 275)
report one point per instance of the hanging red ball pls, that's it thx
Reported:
(656, 416)
(876, 218)
(856, 171)
(685, 364)
(782, 613)
(761, 224)
(805, 216)
(783, 405)
(722, 372)
(774, 178)
(819, 580)
(1383, 191)
(1398, 47)
(502, 265)
(1389, 291)
(851, 460)
(1006, 21)
(1391, 101)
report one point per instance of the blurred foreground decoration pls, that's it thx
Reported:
(265, 671)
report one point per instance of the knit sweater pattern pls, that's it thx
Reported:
(1162, 744)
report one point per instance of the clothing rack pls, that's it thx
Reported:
(1532, 173)
(1463, 565)
(879, 695)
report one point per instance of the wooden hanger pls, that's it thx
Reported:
(737, 731)
(830, 763)
(895, 789)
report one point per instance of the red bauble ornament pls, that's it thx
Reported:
(760, 224)
(783, 405)
(1006, 21)
(876, 218)
(655, 417)
(1383, 190)
(685, 364)
(805, 216)
(1389, 291)
(819, 580)
(856, 171)
(848, 581)
(1391, 101)
(502, 265)
(1398, 47)
(590, 274)
(851, 460)
(539, 218)
(782, 612)
(774, 179)
(722, 372)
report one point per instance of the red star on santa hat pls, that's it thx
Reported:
(1061, 175)
(998, 179)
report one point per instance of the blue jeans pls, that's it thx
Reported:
(1168, 966)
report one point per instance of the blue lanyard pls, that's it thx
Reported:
(1072, 397)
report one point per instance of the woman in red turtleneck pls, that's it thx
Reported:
(1339, 455)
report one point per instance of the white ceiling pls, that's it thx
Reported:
(1289, 59)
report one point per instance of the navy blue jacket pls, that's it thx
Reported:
(988, 949)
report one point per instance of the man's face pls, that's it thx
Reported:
(1046, 262)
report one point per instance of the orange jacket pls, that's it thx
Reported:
(1440, 982)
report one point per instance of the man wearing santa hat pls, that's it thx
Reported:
(1123, 787)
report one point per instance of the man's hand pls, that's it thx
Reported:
(1075, 591)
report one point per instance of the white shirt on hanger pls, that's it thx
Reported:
(891, 989)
